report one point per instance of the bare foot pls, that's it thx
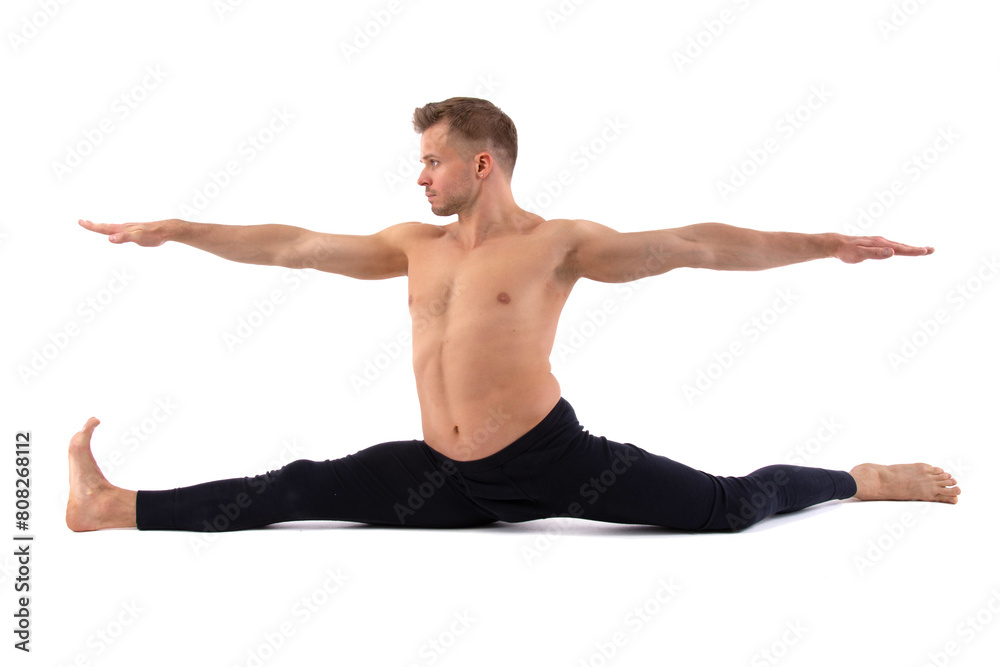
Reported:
(94, 502)
(909, 481)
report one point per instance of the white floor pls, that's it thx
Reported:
(842, 583)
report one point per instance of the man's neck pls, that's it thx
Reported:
(490, 217)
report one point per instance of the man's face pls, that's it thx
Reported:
(447, 179)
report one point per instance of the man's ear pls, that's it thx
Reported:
(484, 165)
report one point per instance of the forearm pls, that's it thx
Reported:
(729, 248)
(250, 244)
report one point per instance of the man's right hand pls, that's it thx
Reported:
(147, 234)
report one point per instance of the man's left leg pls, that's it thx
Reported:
(591, 477)
(623, 483)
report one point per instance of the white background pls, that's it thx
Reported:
(862, 583)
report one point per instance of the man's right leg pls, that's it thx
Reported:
(396, 483)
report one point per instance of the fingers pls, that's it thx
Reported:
(901, 248)
(100, 227)
(911, 251)
(870, 252)
(115, 233)
(92, 226)
(876, 247)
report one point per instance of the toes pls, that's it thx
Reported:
(82, 437)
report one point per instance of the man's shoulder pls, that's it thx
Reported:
(573, 227)
(563, 225)
(405, 232)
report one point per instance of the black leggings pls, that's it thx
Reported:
(557, 469)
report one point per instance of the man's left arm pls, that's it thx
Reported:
(603, 254)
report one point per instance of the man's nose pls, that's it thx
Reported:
(422, 179)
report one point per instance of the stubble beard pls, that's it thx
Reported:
(450, 204)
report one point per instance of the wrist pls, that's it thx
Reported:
(830, 244)
(176, 230)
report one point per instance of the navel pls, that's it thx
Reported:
(502, 297)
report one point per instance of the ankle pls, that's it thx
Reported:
(105, 507)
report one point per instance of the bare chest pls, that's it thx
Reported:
(508, 276)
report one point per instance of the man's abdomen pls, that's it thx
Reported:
(477, 397)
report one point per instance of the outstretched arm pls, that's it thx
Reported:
(370, 257)
(603, 254)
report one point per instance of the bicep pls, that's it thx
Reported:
(606, 255)
(366, 257)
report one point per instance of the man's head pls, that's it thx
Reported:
(464, 140)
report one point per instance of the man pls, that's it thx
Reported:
(499, 442)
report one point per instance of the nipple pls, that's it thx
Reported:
(503, 298)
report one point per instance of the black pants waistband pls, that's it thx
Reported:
(561, 416)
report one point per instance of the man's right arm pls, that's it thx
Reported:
(368, 257)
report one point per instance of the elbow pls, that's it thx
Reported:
(704, 258)
(287, 259)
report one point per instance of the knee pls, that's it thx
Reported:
(736, 522)
(289, 476)
(771, 479)
(735, 513)
(753, 498)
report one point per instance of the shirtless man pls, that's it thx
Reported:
(485, 294)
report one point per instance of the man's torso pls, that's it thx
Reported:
(484, 322)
